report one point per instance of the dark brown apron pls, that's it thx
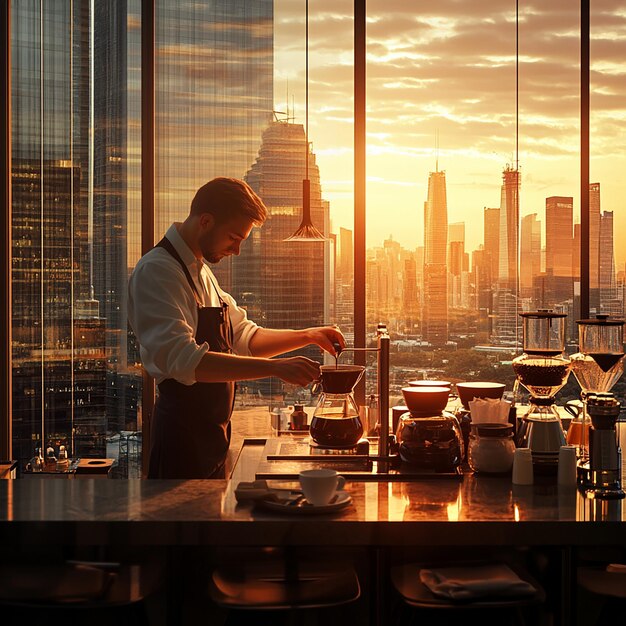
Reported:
(190, 429)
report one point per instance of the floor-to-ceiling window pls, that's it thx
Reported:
(74, 153)
(473, 191)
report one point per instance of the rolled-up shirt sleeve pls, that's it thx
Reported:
(243, 328)
(163, 315)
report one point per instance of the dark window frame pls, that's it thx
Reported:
(147, 189)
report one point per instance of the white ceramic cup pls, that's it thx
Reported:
(522, 467)
(320, 485)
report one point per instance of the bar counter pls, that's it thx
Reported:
(473, 511)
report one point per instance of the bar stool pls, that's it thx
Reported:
(72, 592)
(608, 585)
(281, 583)
(426, 607)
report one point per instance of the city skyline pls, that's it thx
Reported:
(441, 80)
(438, 160)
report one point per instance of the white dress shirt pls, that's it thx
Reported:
(162, 311)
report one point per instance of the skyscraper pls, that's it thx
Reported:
(58, 365)
(345, 267)
(344, 283)
(491, 224)
(435, 316)
(483, 295)
(285, 279)
(75, 117)
(559, 233)
(594, 246)
(108, 262)
(509, 220)
(606, 278)
(410, 297)
(214, 95)
(576, 253)
(458, 267)
(530, 257)
(505, 328)
(559, 250)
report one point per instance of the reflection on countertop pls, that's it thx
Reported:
(476, 510)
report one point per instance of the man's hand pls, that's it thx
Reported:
(327, 338)
(297, 370)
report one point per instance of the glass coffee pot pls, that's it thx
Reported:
(428, 436)
(336, 422)
(543, 370)
(597, 366)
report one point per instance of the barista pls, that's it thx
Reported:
(194, 339)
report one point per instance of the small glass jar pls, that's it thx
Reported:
(298, 419)
(491, 448)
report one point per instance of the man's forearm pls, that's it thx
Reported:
(267, 342)
(217, 367)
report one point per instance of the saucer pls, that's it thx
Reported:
(298, 505)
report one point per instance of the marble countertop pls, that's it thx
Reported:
(473, 511)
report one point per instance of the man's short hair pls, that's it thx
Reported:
(228, 197)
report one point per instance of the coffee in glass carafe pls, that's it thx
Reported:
(336, 422)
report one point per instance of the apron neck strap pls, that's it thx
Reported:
(167, 244)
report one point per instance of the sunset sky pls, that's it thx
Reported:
(447, 68)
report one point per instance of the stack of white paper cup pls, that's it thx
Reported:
(567, 466)
(522, 467)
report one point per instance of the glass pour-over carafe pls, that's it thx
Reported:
(543, 370)
(336, 422)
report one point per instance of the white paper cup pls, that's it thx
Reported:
(320, 485)
(522, 467)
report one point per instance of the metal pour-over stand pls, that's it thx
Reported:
(286, 460)
(370, 459)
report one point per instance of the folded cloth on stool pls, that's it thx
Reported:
(463, 583)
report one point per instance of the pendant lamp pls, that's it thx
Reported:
(306, 231)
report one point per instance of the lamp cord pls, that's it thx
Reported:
(306, 103)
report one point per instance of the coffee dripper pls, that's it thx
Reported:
(329, 424)
(597, 366)
(336, 422)
(543, 370)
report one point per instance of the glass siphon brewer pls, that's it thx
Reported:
(336, 422)
(543, 370)
(597, 366)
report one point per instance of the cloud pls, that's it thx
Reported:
(448, 66)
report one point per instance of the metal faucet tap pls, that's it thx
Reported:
(383, 341)
(383, 349)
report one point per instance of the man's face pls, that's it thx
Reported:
(218, 240)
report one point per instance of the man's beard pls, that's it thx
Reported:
(208, 252)
(212, 257)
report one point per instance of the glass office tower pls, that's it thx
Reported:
(283, 284)
(435, 320)
(58, 351)
(214, 98)
(76, 69)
